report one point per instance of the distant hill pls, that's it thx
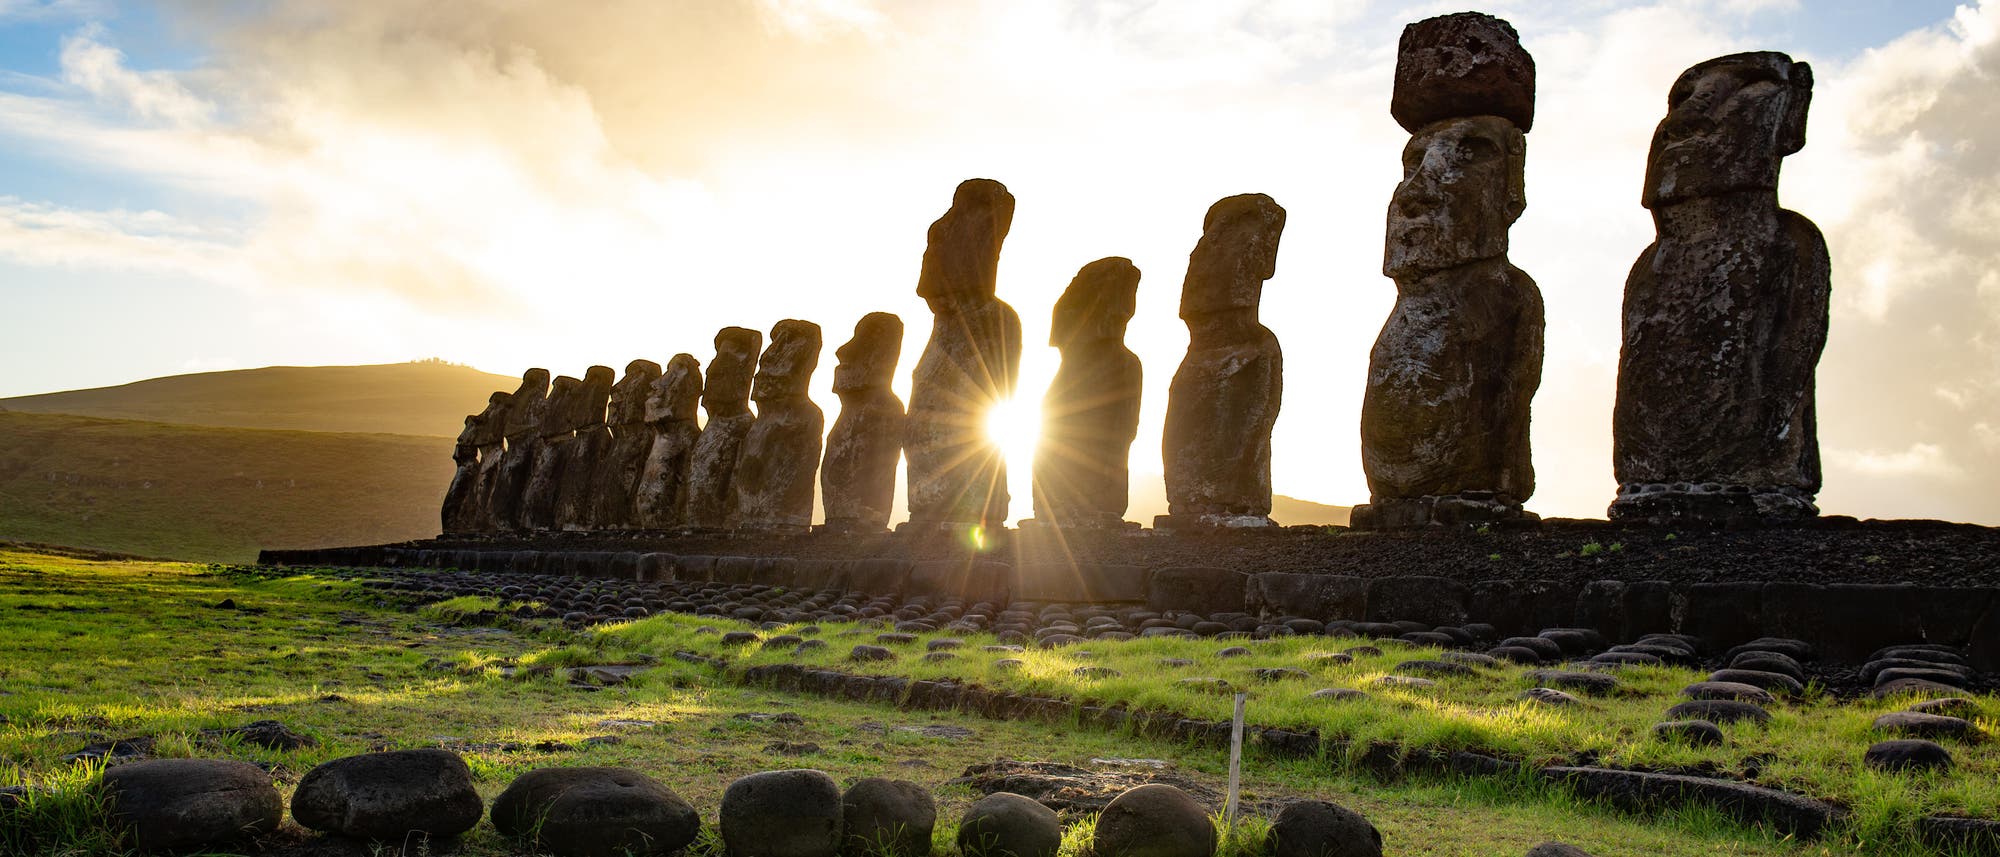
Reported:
(212, 494)
(397, 398)
(1149, 498)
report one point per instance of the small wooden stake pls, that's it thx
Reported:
(1235, 763)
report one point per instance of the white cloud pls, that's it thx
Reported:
(1918, 460)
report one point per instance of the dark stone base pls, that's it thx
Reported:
(1467, 508)
(849, 527)
(1172, 523)
(1099, 524)
(1709, 503)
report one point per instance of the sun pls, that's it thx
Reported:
(1015, 425)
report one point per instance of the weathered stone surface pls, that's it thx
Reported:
(1091, 411)
(1317, 828)
(595, 812)
(890, 818)
(582, 452)
(1726, 312)
(1326, 597)
(474, 455)
(858, 475)
(662, 498)
(1700, 733)
(726, 397)
(973, 358)
(1907, 754)
(1444, 420)
(181, 804)
(779, 461)
(1224, 399)
(614, 492)
(521, 426)
(1004, 824)
(389, 797)
(1198, 589)
(1639, 792)
(555, 427)
(1467, 64)
(1153, 820)
(795, 813)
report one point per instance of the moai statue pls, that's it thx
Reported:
(780, 459)
(662, 500)
(558, 427)
(957, 475)
(1224, 398)
(726, 397)
(584, 451)
(1091, 411)
(857, 478)
(615, 487)
(1726, 313)
(1444, 421)
(522, 426)
(491, 440)
(461, 513)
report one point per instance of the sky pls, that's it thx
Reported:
(190, 186)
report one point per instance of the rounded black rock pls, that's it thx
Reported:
(1004, 824)
(1153, 820)
(180, 804)
(894, 818)
(1317, 828)
(595, 812)
(1907, 754)
(389, 797)
(790, 813)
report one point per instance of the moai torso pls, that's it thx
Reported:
(1726, 313)
(1444, 420)
(957, 475)
(521, 426)
(615, 486)
(1090, 413)
(556, 428)
(584, 451)
(858, 473)
(780, 459)
(1224, 399)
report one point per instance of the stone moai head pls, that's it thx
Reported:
(788, 363)
(489, 425)
(595, 397)
(868, 361)
(1237, 252)
(1462, 188)
(1465, 64)
(524, 410)
(676, 393)
(727, 390)
(1730, 123)
(962, 252)
(560, 415)
(1097, 305)
(628, 396)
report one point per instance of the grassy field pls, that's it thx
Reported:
(212, 494)
(423, 398)
(98, 651)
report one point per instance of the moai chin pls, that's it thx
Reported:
(1090, 413)
(1444, 421)
(857, 477)
(585, 450)
(725, 395)
(780, 460)
(481, 440)
(521, 427)
(957, 475)
(1726, 313)
(671, 403)
(1224, 398)
(615, 486)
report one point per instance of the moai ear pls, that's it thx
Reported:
(1792, 133)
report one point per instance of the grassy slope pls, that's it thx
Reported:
(395, 398)
(213, 494)
(164, 662)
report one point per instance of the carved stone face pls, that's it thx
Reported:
(524, 411)
(628, 397)
(1462, 188)
(677, 391)
(1237, 252)
(1098, 303)
(787, 365)
(1730, 123)
(962, 251)
(728, 388)
(558, 416)
(868, 360)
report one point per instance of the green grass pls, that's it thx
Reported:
(97, 650)
(1812, 746)
(212, 494)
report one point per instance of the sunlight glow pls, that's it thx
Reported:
(1016, 425)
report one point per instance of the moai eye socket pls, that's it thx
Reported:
(1477, 149)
